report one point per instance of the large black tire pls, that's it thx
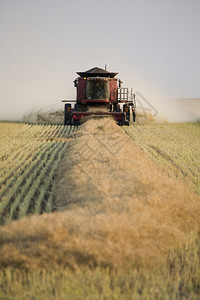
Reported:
(120, 123)
(68, 115)
(76, 123)
(125, 107)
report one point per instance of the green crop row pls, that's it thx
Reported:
(174, 147)
(29, 155)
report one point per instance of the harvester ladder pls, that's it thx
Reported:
(123, 94)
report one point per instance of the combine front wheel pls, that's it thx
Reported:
(68, 115)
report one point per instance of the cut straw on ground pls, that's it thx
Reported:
(116, 209)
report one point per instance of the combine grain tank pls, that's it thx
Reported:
(99, 93)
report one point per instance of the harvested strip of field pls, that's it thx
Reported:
(120, 209)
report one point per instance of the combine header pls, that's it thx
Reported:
(99, 93)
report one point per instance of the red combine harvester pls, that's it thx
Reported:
(99, 93)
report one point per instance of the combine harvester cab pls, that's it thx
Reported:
(99, 93)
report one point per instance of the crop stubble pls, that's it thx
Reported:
(119, 209)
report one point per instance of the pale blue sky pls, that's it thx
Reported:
(154, 45)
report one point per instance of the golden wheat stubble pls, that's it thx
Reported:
(121, 211)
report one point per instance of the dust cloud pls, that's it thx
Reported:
(26, 102)
(151, 99)
(54, 117)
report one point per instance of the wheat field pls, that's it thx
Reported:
(172, 146)
(29, 156)
(120, 211)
